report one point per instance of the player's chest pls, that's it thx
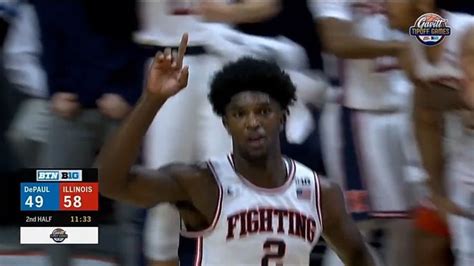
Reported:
(248, 214)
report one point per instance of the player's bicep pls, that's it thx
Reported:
(339, 230)
(147, 187)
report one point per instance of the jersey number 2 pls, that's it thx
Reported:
(274, 249)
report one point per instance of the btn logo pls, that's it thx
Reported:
(46, 175)
(59, 175)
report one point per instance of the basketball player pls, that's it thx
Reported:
(253, 207)
(190, 114)
(443, 91)
(377, 158)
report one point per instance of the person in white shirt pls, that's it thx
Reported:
(377, 157)
(21, 58)
(443, 123)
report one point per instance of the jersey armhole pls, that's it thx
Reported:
(217, 211)
(317, 192)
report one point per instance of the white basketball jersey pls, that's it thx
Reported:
(258, 226)
(374, 84)
(162, 22)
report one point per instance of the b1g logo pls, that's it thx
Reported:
(430, 29)
(59, 175)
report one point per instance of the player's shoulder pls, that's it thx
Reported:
(325, 185)
(303, 171)
(328, 187)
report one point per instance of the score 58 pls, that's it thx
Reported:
(79, 196)
(72, 201)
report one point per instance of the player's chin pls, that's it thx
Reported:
(256, 154)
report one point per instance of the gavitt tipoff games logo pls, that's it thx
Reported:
(58, 235)
(430, 29)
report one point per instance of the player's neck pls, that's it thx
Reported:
(266, 173)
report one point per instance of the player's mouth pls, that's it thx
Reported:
(256, 141)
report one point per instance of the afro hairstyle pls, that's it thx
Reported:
(250, 74)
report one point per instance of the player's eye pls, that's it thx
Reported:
(238, 114)
(265, 111)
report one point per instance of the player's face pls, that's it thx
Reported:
(254, 121)
(401, 13)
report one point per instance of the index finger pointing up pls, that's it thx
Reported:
(182, 50)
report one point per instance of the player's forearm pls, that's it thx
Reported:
(338, 39)
(362, 257)
(252, 11)
(429, 135)
(121, 151)
(359, 48)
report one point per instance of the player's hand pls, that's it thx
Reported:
(445, 207)
(65, 104)
(113, 106)
(167, 76)
(212, 11)
(407, 63)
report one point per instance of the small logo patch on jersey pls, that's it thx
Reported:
(303, 181)
(303, 193)
(430, 29)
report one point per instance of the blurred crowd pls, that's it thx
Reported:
(73, 69)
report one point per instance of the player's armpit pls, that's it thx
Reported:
(146, 188)
(340, 231)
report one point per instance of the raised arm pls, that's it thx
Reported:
(334, 21)
(245, 11)
(340, 231)
(146, 188)
(340, 39)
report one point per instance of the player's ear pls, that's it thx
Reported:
(225, 124)
(283, 119)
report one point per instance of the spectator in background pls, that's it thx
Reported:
(8, 12)
(22, 55)
(94, 75)
(7, 163)
(378, 161)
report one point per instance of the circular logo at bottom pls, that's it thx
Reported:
(58, 235)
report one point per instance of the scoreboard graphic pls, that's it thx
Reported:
(59, 206)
